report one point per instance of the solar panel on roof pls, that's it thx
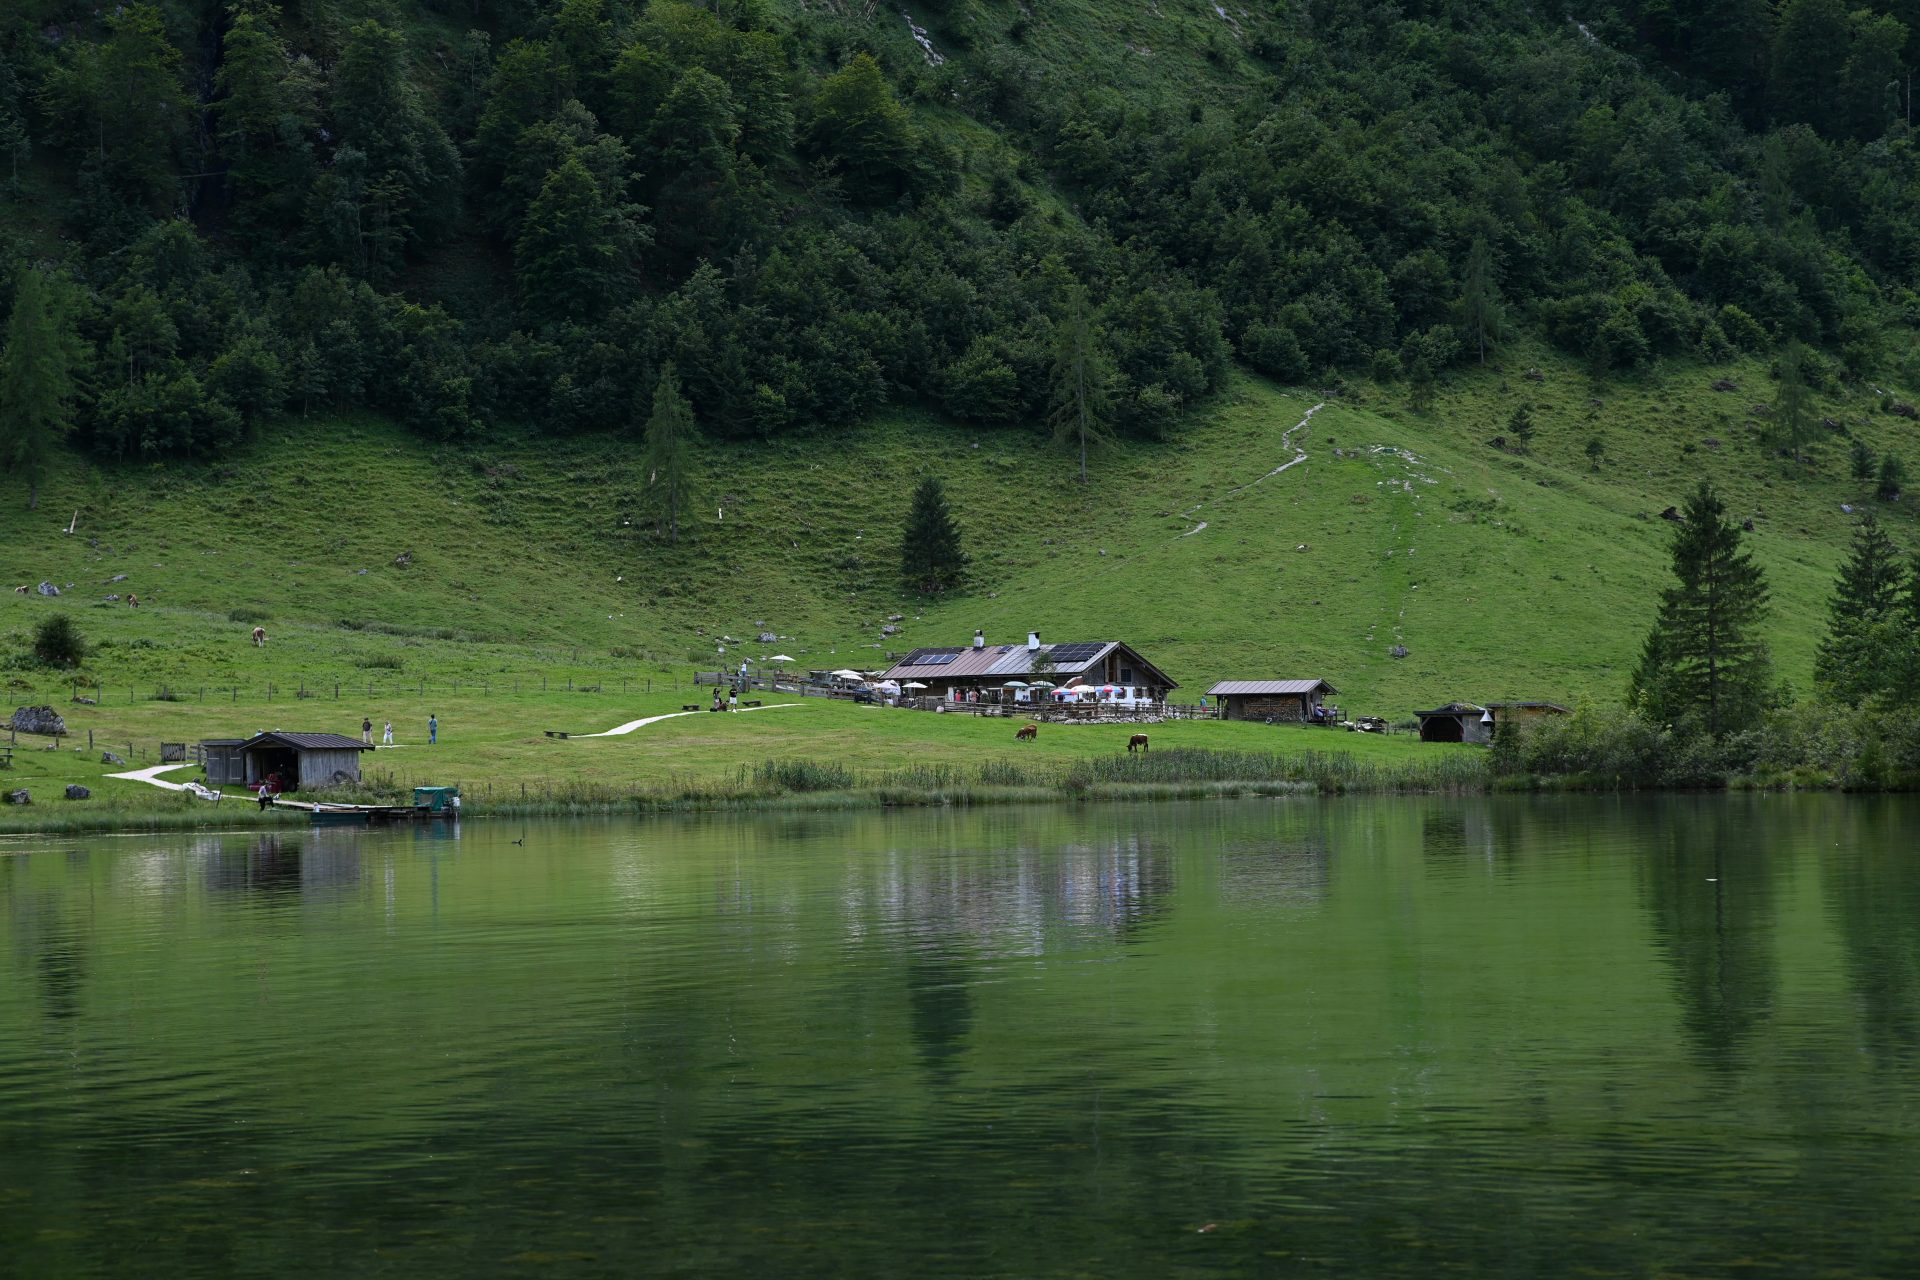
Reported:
(1075, 652)
(933, 659)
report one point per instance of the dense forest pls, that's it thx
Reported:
(481, 215)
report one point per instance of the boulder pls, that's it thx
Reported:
(22, 796)
(1725, 384)
(81, 700)
(1398, 651)
(118, 577)
(767, 637)
(41, 720)
(1900, 409)
(113, 599)
(77, 792)
(402, 560)
(1747, 524)
(107, 757)
(890, 630)
(48, 589)
(1673, 514)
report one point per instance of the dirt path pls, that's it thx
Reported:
(151, 776)
(642, 723)
(1286, 442)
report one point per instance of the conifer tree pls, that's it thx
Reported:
(1793, 415)
(1480, 298)
(1893, 475)
(1704, 659)
(1865, 616)
(1520, 425)
(1861, 460)
(1081, 378)
(931, 558)
(37, 378)
(669, 454)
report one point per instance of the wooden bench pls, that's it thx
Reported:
(689, 706)
(752, 704)
(556, 733)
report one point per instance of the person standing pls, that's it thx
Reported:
(366, 730)
(386, 739)
(433, 729)
(733, 699)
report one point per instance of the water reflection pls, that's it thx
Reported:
(1397, 1038)
(1707, 872)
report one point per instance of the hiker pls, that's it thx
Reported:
(366, 730)
(433, 729)
(733, 699)
(386, 739)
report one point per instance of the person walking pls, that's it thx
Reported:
(433, 729)
(386, 739)
(366, 730)
(733, 699)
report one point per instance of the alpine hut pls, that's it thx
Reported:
(1296, 701)
(305, 761)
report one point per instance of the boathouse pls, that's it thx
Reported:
(306, 760)
(1293, 701)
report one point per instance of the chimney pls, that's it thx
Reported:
(1033, 640)
(979, 638)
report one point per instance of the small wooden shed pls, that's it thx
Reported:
(306, 761)
(1296, 701)
(226, 766)
(1456, 722)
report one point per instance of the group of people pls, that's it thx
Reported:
(386, 737)
(732, 700)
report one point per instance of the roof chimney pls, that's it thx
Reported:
(1033, 639)
(979, 638)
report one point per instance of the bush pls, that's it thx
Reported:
(252, 617)
(58, 643)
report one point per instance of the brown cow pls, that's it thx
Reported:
(259, 637)
(1138, 740)
(1027, 733)
(133, 601)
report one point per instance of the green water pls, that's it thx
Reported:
(1670, 1036)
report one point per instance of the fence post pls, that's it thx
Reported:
(336, 691)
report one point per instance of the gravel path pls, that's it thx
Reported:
(631, 725)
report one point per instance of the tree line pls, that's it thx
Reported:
(515, 214)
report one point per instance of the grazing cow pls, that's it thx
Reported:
(133, 601)
(1137, 741)
(20, 591)
(259, 637)
(1027, 733)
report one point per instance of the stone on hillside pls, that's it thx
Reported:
(1747, 524)
(1847, 507)
(1398, 651)
(1725, 384)
(81, 700)
(889, 630)
(41, 720)
(896, 617)
(1901, 409)
(767, 637)
(48, 589)
(113, 599)
(77, 792)
(402, 560)
(118, 577)
(107, 757)
(22, 796)
(1832, 424)
(1673, 514)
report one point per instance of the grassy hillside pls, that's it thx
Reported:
(1503, 574)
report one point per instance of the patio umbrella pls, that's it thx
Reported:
(845, 674)
(913, 684)
(1015, 684)
(781, 657)
(887, 686)
(1041, 684)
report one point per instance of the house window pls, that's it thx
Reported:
(1126, 675)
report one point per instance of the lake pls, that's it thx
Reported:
(1676, 1035)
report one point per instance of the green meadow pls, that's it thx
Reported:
(496, 586)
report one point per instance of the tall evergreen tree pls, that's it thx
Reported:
(669, 454)
(568, 253)
(1793, 412)
(37, 378)
(1480, 298)
(1864, 616)
(1704, 659)
(931, 558)
(267, 115)
(1082, 406)
(125, 99)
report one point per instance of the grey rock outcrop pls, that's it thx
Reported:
(77, 792)
(41, 720)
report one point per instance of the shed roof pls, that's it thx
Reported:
(1230, 688)
(308, 741)
(222, 742)
(1529, 706)
(1454, 709)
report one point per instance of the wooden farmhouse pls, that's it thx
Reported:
(1298, 701)
(1473, 722)
(307, 761)
(991, 671)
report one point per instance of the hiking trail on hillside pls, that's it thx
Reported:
(1286, 442)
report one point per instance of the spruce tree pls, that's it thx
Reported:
(1893, 475)
(1520, 426)
(669, 454)
(931, 558)
(1480, 298)
(1081, 377)
(1793, 415)
(37, 378)
(1864, 618)
(1704, 659)
(1861, 460)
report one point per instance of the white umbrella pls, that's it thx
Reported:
(1041, 684)
(887, 686)
(845, 674)
(781, 657)
(1015, 684)
(913, 684)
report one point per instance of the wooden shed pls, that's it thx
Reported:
(1294, 701)
(226, 766)
(306, 760)
(1456, 722)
